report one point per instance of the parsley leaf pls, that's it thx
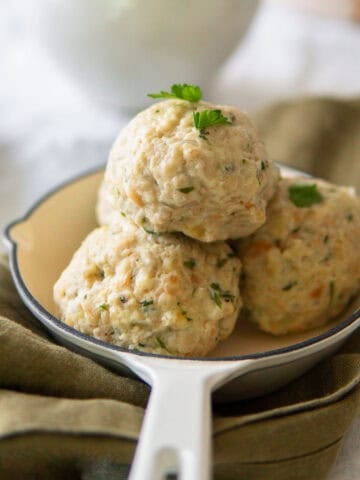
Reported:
(217, 294)
(146, 305)
(208, 118)
(304, 195)
(186, 189)
(191, 263)
(192, 93)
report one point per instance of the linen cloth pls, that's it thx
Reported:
(63, 416)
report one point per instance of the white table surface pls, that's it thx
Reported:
(50, 131)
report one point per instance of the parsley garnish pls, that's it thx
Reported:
(161, 343)
(186, 189)
(331, 291)
(148, 230)
(220, 262)
(146, 305)
(192, 93)
(191, 263)
(217, 294)
(104, 307)
(289, 286)
(304, 195)
(209, 118)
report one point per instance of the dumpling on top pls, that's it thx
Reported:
(164, 294)
(303, 266)
(208, 183)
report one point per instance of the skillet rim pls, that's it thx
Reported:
(51, 323)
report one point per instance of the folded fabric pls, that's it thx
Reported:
(62, 416)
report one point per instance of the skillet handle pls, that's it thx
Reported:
(176, 431)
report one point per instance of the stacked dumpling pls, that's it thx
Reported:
(158, 275)
(163, 294)
(302, 267)
(168, 176)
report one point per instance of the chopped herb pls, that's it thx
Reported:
(104, 307)
(148, 230)
(326, 239)
(229, 168)
(296, 229)
(331, 291)
(186, 189)
(231, 255)
(85, 296)
(151, 232)
(146, 305)
(244, 161)
(243, 275)
(191, 263)
(209, 118)
(258, 176)
(350, 217)
(123, 299)
(157, 111)
(304, 195)
(220, 262)
(192, 93)
(161, 343)
(100, 274)
(184, 313)
(289, 286)
(217, 294)
(263, 165)
(123, 214)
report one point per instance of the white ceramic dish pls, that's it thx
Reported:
(176, 432)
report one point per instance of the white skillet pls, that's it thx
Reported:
(176, 432)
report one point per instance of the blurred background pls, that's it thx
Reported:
(72, 73)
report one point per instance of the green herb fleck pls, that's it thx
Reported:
(161, 343)
(231, 255)
(186, 189)
(288, 286)
(331, 291)
(326, 239)
(184, 313)
(192, 93)
(229, 168)
(304, 195)
(146, 305)
(217, 294)
(123, 299)
(350, 217)
(296, 229)
(191, 263)
(123, 214)
(209, 118)
(263, 165)
(220, 262)
(104, 306)
(148, 230)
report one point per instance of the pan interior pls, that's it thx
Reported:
(48, 237)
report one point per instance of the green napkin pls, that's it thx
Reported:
(62, 416)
